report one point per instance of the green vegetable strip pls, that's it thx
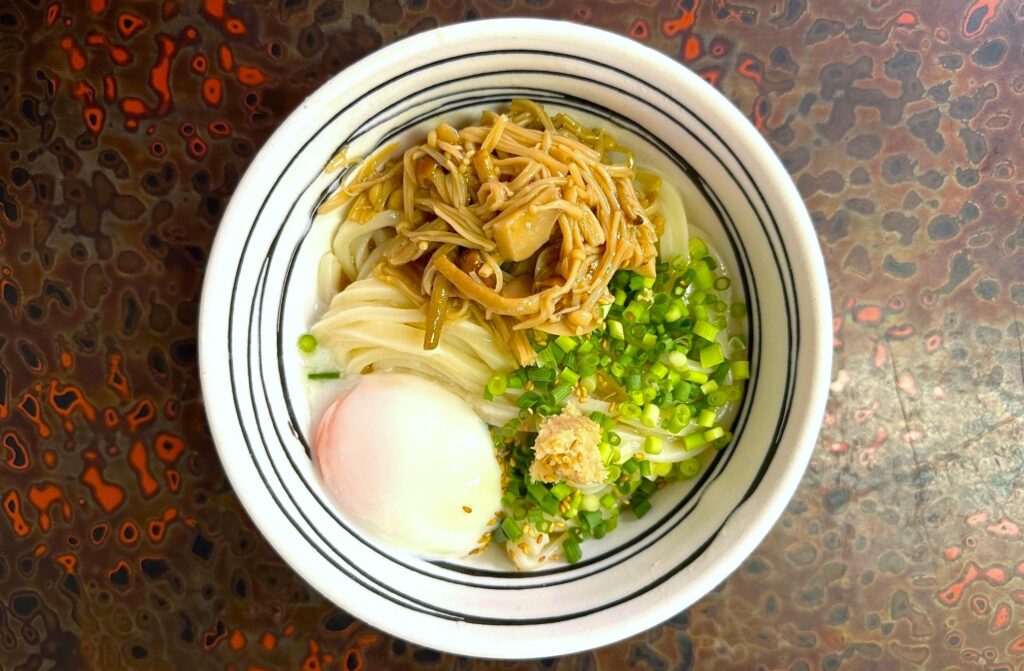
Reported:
(307, 343)
(571, 550)
(512, 530)
(711, 356)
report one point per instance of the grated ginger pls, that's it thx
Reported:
(567, 450)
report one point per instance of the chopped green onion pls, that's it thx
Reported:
(678, 360)
(705, 330)
(714, 434)
(541, 374)
(566, 343)
(702, 276)
(590, 503)
(651, 415)
(732, 393)
(568, 375)
(550, 505)
(706, 418)
(740, 370)
(722, 283)
(695, 376)
(721, 372)
(717, 399)
(641, 507)
(561, 392)
(327, 375)
(307, 343)
(546, 358)
(738, 310)
(528, 400)
(615, 439)
(698, 249)
(645, 469)
(634, 312)
(615, 329)
(659, 370)
(497, 384)
(561, 490)
(661, 468)
(635, 333)
(536, 491)
(612, 522)
(608, 501)
(629, 410)
(711, 355)
(652, 444)
(620, 297)
(682, 415)
(512, 530)
(689, 468)
(692, 440)
(571, 550)
(709, 387)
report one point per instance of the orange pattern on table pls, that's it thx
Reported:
(107, 495)
(44, 495)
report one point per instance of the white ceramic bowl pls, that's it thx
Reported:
(259, 297)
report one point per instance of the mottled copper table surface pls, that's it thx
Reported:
(124, 128)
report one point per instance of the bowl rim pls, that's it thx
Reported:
(748, 524)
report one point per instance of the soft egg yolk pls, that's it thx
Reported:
(411, 463)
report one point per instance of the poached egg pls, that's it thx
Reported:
(409, 462)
